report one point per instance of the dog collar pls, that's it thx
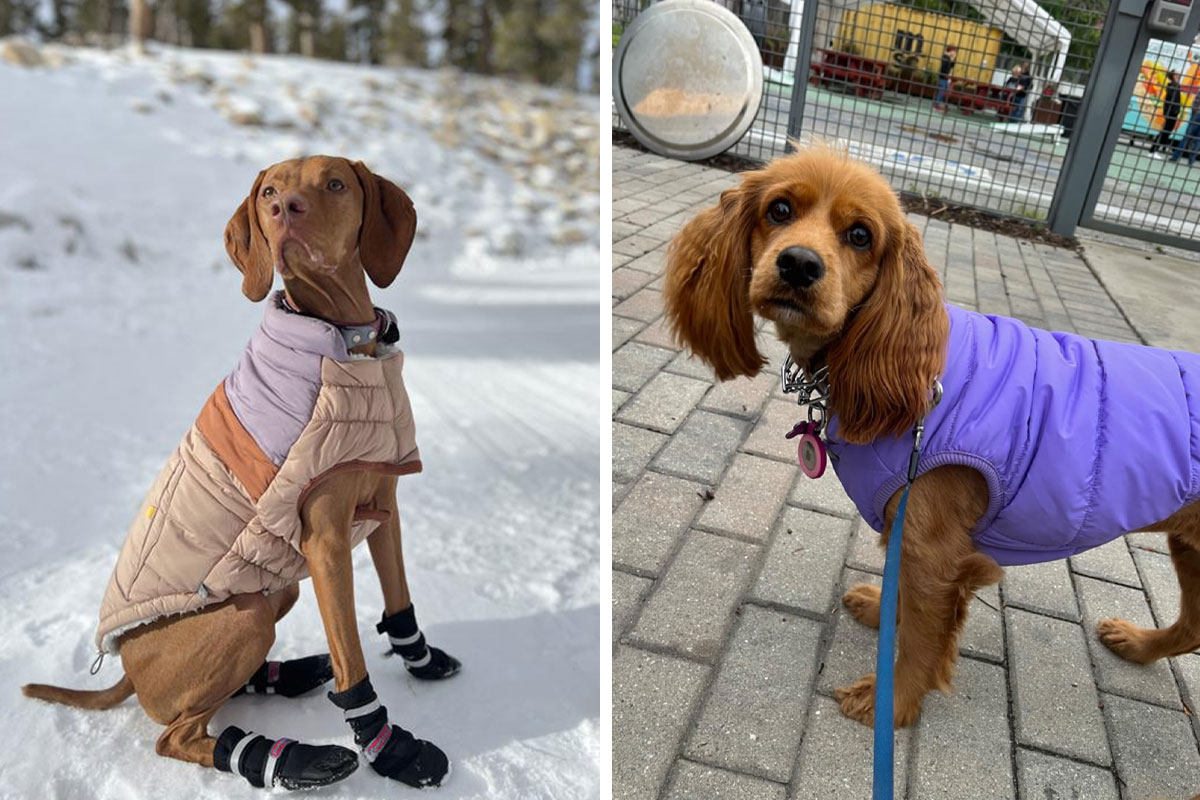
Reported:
(383, 328)
(812, 391)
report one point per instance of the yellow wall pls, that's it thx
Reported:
(872, 32)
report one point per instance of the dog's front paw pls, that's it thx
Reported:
(421, 660)
(436, 665)
(858, 700)
(392, 751)
(863, 603)
(1125, 639)
(858, 703)
(414, 762)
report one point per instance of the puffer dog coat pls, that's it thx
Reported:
(223, 516)
(1080, 440)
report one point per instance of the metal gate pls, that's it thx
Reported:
(1141, 176)
(995, 126)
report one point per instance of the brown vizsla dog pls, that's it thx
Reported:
(292, 462)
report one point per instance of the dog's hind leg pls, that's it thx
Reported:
(185, 668)
(1144, 645)
(289, 678)
(187, 739)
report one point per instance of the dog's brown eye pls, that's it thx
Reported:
(779, 211)
(335, 185)
(859, 237)
(269, 191)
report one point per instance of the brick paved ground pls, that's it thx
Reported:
(729, 637)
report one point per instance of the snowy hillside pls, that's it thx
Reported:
(119, 313)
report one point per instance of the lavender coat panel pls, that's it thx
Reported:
(1079, 440)
(274, 386)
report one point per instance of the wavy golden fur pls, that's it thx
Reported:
(876, 317)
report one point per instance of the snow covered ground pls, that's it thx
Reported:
(119, 312)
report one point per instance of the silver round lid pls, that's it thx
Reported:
(687, 78)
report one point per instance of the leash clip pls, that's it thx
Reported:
(919, 430)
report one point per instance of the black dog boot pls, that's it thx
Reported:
(392, 751)
(283, 762)
(290, 678)
(421, 661)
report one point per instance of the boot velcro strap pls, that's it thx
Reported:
(277, 750)
(373, 748)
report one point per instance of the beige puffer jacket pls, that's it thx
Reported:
(223, 516)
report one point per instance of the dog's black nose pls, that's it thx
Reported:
(800, 267)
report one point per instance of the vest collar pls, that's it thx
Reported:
(311, 334)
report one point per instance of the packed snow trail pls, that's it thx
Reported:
(119, 313)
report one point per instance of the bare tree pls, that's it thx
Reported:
(406, 39)
(258, 12)
(302, 33)
(141, 22)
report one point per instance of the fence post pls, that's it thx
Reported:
(808, 26)
(1108, 88)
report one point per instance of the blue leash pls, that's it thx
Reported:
(885, 658)
(885, 661)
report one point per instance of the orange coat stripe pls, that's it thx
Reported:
(235, 447)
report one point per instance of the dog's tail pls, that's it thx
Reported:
(97, 701)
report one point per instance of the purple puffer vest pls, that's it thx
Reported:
(1080, 440)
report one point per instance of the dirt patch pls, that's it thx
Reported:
(935, 135)
(916, 204)
(985, 220)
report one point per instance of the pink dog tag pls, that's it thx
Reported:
(810, 451)
(812, 456)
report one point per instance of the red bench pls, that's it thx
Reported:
(867, 75)
(971, 96)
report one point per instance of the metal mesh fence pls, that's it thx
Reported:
(987, 135)
(1152, 182)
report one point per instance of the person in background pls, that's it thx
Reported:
(1020, 81)
(949, 56)
(1189, 145)
(1171, 106)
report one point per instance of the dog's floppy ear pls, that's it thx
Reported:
(248, 248)
(389, 222)
(882, 368)
(707, 288)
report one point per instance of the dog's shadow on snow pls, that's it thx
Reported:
(522, 678)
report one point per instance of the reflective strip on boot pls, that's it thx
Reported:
(235, 757)
(361, 711)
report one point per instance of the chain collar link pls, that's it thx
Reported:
(812, 391)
